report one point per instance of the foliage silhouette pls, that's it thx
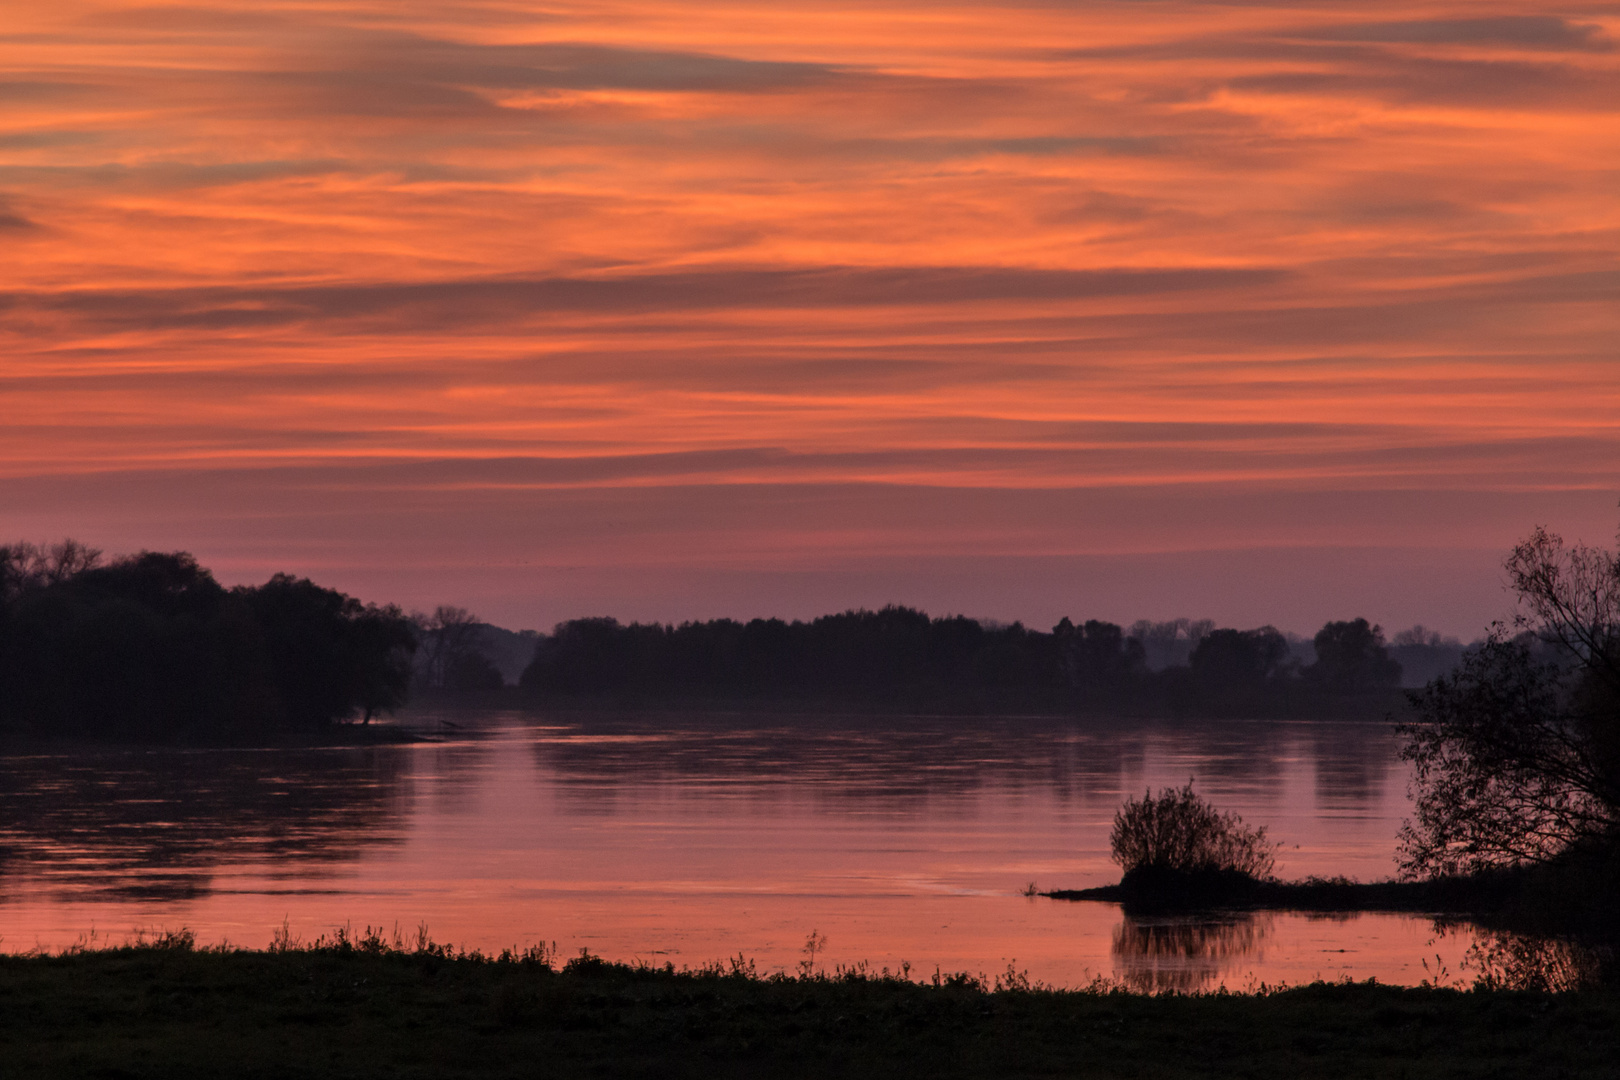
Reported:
(450, 658)
(360, 1006)
(1351, 658)
(1233, 671)
(151, 646)
(1518, 752)
(1424, 655)
(1178, 831)
(900, 658)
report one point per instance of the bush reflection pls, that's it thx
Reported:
(1155, 955)
(1500, 960)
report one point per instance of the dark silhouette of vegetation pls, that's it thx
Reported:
(1178, 831)
(1424, 655)
(452, 652)
(359, 1005)
(1170, 643)
(1178, 851)
(1351, 659)
(1477, 898)
(1517, 753)
(1517, 771)
(896, 656)
(901, 658)
(1233, 672)
(150, 646)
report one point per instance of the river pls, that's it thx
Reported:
(899, 842)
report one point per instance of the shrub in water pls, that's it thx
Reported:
(1181, 833)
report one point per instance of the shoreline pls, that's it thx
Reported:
(1462, 897)
(338, 736)
(365, 1009)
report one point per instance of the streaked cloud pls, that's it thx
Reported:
(1530, 32)
(729, 286)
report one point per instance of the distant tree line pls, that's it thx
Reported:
(151, 646)
(459, 653)
(900, 657)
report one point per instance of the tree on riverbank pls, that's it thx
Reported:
(151, 646)
(1518, 752)
(451, 656)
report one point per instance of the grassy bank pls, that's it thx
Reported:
(350, 1011)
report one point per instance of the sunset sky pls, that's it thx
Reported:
(1263, 312)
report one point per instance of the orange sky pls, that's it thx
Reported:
(1266, 312)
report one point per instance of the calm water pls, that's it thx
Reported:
(692, 839)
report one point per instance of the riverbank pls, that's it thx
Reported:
(1570, 898)
(1443, 896)
(374, 1011)
(382, 733)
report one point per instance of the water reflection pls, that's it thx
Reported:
(1351, 761)
(879, 759)
(156, 824)
(909, 755)
(1185, 954)
(694, 837)
(1499, 960)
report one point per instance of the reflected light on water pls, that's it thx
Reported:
(1154, 955)
(689, 839)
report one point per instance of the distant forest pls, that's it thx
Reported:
(901, 658)
(151, 646)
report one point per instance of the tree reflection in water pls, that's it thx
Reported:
(1500, 960)
(158, 824)
(1183, 954)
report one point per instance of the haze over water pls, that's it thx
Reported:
(698, 838)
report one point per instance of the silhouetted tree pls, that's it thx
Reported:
(1098, 660)
(383, 641)
(30, 566)
(148, 645)
(330, 654)
(448, 639)
(1518, 755)
(151, 646)
(1351, 658)
(1232, 669)
(1169, 644)
(472, 671)
(1424, 654)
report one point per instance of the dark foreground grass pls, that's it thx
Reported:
(350, 1011)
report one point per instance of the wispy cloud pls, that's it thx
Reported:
(470, 259)
(1529, 32)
